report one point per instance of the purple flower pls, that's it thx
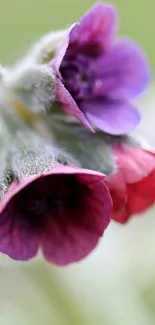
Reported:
(64, 212)
(98, 75)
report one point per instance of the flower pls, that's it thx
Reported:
(64, 211)
(98, 75)
(132, 187)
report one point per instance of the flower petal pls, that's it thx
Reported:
(138, 197)
(134, 164)
(122, 73)
(132, 187)
(69, 106)
(113, 117)
(17, 239)
(77, 232)
(97, 27)
(120, 207)
(121, 216)
(141, 195)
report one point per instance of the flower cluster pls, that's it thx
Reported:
(68, 164)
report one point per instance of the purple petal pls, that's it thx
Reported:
(97, 26)
(113, 117)
(77, 233)
(67, 103)
(17, 239)
(122, 73)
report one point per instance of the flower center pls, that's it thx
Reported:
(48, 197)
(76, 76)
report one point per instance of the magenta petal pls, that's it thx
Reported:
(114, 117)
(135, 164)
(122, 73)
(98, 25)
(141, 194)
(76, 234)
(17, 239)
(67, 103)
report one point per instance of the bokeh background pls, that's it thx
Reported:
(115, 285)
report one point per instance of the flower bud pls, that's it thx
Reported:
(43, 51)
(32, 84)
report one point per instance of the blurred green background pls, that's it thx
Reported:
(22, 22)
(115, 285)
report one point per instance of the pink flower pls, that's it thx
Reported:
(132, 187)
(64, 212)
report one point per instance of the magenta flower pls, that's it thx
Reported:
(64, 212)
(98, 75)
